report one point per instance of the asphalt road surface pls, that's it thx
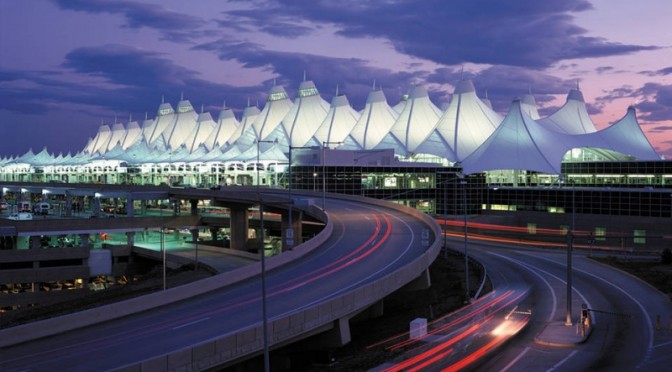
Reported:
(625, 336)
(367, 243)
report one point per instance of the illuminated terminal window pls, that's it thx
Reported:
(600, 233)
(307, 92)
(639, 236)
(277, 96)
(187, 108)
(165, 111)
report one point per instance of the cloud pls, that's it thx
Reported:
(526, 33)
(175, 26)
(661, 72)
(353, 75)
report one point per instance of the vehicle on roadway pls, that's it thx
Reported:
(21, 216)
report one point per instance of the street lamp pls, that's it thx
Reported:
(267, 366)
(290, 232)
(466, 252)
(570, 243)
(324, 177)
(259, 142)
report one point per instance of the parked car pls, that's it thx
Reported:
(21, 216)
(42, 209)
(4, 206)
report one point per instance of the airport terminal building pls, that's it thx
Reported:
(411, 152)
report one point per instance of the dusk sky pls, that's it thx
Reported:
(66, 66)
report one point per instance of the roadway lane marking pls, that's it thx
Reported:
(191, 323)
(550, 288)
(562, 361)
(593, 317)
(663, 344)
(516, 359)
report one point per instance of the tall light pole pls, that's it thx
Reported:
(463, 182)
(570, 244)
(324, 168)
(262, 250)
(290, 235)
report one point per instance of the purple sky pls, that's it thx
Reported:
(68, 65)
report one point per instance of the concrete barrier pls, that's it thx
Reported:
(52, 326)
(231, 347)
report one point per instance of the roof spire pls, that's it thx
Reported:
(224, 105)
(337, 89)
(577, 84)
(486, 94)
(248, 101)
(163, 100)
(181, 95)
(130, 118)
(201, 108)
(145, 115)
(274, 81)
(115, 118)
(529, 90)
(374, 85)
(462, 73)
(304, 75)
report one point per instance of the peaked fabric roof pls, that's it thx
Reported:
(305, 116)
(276, 108)
(375, 121)
(338, 123)
(467, 131)
(572, 117)
(466, 123)
(415, 123)
(519, 143)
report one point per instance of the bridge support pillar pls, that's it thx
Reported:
(85, 240)
(194, 235)
(130, 239)
(194, 207)
(291, 235)
(35, 242)
(338, 336)
(423, 281)
(68, 205)
(129, 207)
(239, 226)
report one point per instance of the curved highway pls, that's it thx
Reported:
(368, 243)
(625, 335)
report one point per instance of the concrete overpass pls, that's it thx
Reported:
(367, 250)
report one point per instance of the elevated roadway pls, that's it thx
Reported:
(367, 250)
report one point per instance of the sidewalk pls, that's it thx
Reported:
(558, 334)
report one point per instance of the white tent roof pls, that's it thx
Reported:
(519, 143)
(305, 116)
(100, 142)
(116, 137)
(529, 106)
(184, 124)
(338, 123)
(276, 108)
(204, 127)
(466, 123)
(572, 117)
(244, 136)
(227, 124)
(165, 118)
(375, 121)
(133, 134)
(415, 123)
(625, 136)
